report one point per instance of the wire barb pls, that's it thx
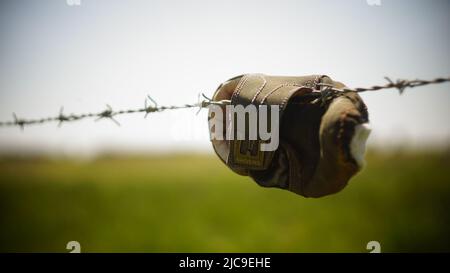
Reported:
(150, 109)
(19, 122)
(108, 113)
(326, 91)
(61, 117)
(399, 84)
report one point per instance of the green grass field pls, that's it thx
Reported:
(182, 203)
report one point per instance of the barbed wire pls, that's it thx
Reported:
(150, 105)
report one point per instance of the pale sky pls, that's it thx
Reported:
(116, 52)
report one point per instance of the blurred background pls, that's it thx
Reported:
(154, 185)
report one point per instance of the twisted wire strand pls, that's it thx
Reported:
(148, 108)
